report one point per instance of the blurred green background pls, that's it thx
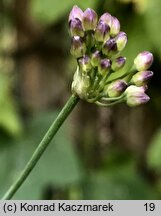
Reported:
(99, 153)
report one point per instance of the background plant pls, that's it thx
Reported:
(99, 160)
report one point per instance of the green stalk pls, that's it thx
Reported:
(110, 104)
(128, 74)
(69, 106)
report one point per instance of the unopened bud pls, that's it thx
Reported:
(102, 32)
(132, 89)
(121, 41)
(85, 64)
(76, 13)
(104, 66)
(89, 19)
(143, 61)
(78, 47)
(115, 27)
(142, 78)
(137, 99)
(116, 88)
(95, 58)
(109, 47)
(118, 63)
(75, 27)
(136, 96)
(80, 84)
(106, 18)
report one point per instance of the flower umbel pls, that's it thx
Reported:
(97, 45)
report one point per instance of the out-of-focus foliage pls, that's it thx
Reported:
(58, 166)
(154, 152)
(9, 118)
(51, 10)
(118, 182)
(152, 21)
(121, 174)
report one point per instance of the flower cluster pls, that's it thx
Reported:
(97, 45)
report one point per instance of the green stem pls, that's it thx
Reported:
(69, 106)
(129, 73)
(109, 104)
(112, 98)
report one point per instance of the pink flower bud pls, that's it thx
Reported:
(102, 32)
(121, 41)
(75, 27)
(118, 63)
(116, 88)
(95, 58)
(142, 78)
(106, 18)
(76, 13)
(136, 96)
(109, 47)
(85, 63)
(115, 27)
(104, 66)
(89, 19)
(143, 61)
(78, 47)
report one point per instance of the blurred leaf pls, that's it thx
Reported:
(51, 10)
(58, 166)
(153, 25)
(8, 168)
(138, 39)
(154, 152)
(9, 118)
(119, 182)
